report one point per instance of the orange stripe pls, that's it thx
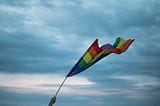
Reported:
(125, 46)
(92, 52)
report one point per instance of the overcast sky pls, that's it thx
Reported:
(40, 41)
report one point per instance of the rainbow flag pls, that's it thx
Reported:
(96, 53)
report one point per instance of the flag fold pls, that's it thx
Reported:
(96, 53)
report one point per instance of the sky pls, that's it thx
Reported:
(41, 40)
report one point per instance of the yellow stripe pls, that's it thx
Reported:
(121, 42)
(87, 57)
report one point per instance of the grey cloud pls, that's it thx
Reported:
(25, 53)
(31, 41)
(13, 3)
(107, 20)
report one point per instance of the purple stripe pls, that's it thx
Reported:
(106, 46)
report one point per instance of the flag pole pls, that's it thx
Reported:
(53, 100)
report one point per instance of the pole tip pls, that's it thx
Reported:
(52, 101)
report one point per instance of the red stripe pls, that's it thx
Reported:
(94, 49)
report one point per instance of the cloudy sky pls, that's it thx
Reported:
(40, 41)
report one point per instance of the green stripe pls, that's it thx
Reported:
(82, 63)
(117, 42)
(100, 57)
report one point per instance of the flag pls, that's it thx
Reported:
(96, 53)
